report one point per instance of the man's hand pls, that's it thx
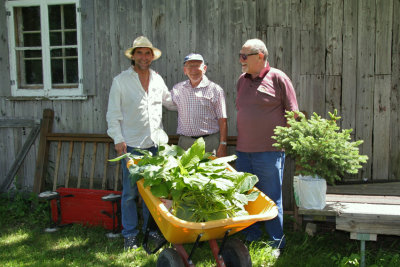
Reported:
(221, 152)
(121, 148)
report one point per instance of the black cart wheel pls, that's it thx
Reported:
(169, 257)
(236, 254)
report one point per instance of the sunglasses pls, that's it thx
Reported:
(244, 56)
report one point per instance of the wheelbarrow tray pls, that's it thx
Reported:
(178, 231)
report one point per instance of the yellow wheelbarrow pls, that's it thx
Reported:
(231, 252)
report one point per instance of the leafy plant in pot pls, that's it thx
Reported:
(320, 148)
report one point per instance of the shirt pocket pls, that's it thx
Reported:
(267, 89)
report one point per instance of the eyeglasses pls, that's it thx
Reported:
(244, 56)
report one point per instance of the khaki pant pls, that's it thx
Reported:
(212, 142)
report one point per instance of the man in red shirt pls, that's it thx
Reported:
(263, 96)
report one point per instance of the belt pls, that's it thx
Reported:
(196, 137)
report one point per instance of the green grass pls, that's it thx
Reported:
(23, 243)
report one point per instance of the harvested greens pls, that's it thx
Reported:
(202, 189)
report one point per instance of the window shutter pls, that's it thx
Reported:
(88, 43)
(5, 88)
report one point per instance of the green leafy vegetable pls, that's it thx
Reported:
(202, 189)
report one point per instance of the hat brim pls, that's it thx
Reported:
(157, 52)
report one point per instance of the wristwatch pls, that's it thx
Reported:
(223, 143)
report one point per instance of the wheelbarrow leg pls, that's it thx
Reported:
(187, 259)
(215, 251)
(182, 252)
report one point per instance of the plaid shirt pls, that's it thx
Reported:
(199, 108)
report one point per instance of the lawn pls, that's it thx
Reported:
(24, 243)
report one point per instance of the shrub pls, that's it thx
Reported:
(319, 147)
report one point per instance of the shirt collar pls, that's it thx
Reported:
(132, 71)
(204, 82)
(262, 74)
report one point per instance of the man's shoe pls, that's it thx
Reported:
(157, 238)
(130, 243)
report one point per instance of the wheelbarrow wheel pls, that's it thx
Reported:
(236, 254)
(169, 257)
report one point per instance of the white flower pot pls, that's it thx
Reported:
(309, 192)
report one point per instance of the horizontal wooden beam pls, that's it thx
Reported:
(17, 123)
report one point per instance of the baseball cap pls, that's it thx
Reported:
(193, 56)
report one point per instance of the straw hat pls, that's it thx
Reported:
(142, 41)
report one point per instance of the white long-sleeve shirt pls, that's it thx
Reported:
(133, 115)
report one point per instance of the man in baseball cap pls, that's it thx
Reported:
(201, 108)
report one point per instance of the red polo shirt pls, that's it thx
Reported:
(261, 104)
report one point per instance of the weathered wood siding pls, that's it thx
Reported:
(341, 54)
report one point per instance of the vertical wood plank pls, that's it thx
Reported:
(105, 165)
(365, 81)
(278, 41)
(55, 177)
(81, 161)
(318, 39)
(333, 93)
(307, 14)
(381, 138)
(312, 96)
(93, 165)
(384, 21)
(295, 55)
(349, 76)
(116, 175)
(334, 42)
(394, 164)
(68, 174)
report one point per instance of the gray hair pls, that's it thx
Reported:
(256, 46)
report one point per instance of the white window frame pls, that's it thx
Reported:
(47, 91)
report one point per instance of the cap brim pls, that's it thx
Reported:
(157, 52)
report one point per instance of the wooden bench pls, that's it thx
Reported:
(79, 160)
(363, 210)
(78, 164)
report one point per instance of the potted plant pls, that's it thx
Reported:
(320, 149)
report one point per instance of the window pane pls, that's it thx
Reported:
(31, 39)
(70, 38)
(34, 73)
(71, 52)
(72, 71)
(55, 53)
(29, 67)
(55, 38)
(30, 18)
(57, 71)
(64, 66)
(70, 16)
(27, 33)
(55, 17)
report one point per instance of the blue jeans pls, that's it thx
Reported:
(268, 166)
(128, 204)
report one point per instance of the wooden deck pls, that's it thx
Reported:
(363, 209)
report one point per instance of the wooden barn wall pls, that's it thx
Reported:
(340, 54)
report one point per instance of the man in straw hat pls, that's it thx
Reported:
(134, 117)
